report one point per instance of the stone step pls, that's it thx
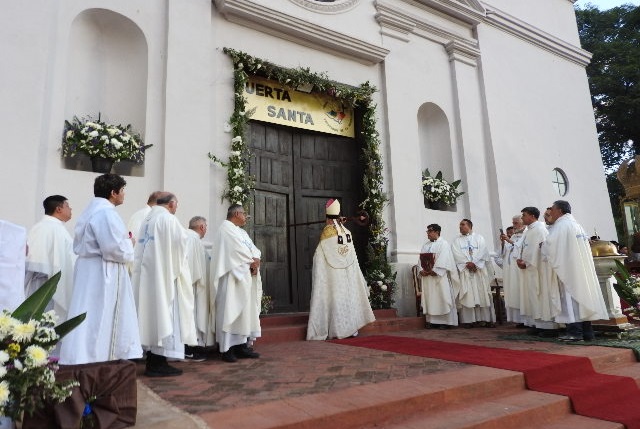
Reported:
(469, 397)
(526, 409)
(279, 328)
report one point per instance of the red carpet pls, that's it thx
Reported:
(605, 397)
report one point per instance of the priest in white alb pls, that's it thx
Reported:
(198, 260)
(236, 287)
(471, 256)
(543, 294)
(511, 275)
(440, 283)
(339, 294)
(101, 284)
(568, 252)
(50, 250)
(163, 288)
(136, 219)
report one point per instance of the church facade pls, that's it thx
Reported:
(490, 92)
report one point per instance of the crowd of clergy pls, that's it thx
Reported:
(548, 276)
(149, 289)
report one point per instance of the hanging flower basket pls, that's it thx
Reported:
(104, 143)
(438, 193)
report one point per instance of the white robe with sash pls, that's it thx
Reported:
(475, 290)
(439, 292)
(236, 292)
(569, 254)
(51, 250)
(102, 289)
(339, 294)
(163, 285)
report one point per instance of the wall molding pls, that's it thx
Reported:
(520, 29)
(252, 14)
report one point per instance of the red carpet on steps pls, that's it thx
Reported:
(601, 396)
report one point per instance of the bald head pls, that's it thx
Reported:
(153, 198)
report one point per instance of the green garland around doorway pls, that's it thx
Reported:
(377, 271)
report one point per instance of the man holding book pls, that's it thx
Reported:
(440, 282)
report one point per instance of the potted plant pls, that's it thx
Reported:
(27, 336)
(104, 143)
(437, 192)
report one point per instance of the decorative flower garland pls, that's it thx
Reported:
(377, 271)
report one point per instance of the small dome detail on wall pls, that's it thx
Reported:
(327, 6)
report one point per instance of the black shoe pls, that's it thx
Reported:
(162, 371)
(229, 356)
(243, 351)
(570, 338)
(195, 357)
(548, 333)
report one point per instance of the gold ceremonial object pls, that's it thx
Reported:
(603, 248)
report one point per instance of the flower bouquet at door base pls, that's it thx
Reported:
(436, 189)
(27, 372)
(98, 139)
(628, 288)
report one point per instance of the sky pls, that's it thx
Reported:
(606, 4)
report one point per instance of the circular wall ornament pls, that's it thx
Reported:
(560, 181)
(327, 6)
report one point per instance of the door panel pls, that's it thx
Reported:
(296, 172)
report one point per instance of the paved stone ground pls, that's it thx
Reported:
(300, 368)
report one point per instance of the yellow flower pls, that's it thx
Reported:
(6, 323)
(4, 392)
(36, 356)
(24, 331)
(13, 349)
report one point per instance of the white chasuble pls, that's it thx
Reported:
(162, 281)
(475, 288)
(198, 261)
(236, 292)
(568, 252)
(339, 295)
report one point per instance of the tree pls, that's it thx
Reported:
(613, 37)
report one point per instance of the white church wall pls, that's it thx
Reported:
(540, 119)
(554, 17)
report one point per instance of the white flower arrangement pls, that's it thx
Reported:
(27, 371)
(436, 189)
(99, 139)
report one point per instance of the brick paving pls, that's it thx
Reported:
(294, 369)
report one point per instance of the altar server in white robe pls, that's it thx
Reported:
(339, 294)
(101, 284)
(198, 260)
(471, 256)
(162, 284)
(543, 294)
(13, 245)
(236, 287)
(568, 251)
(441, 284)
(50, 248)
(136, 219)
(511, 275)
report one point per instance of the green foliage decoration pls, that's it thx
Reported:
(377, 271)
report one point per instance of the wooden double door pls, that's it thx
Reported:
(296, 172)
